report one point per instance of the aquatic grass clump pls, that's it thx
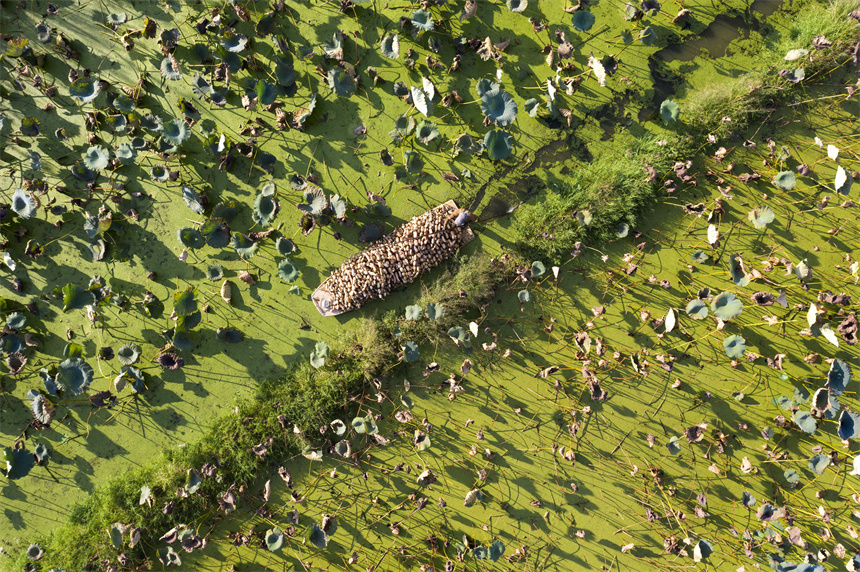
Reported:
(615, 189)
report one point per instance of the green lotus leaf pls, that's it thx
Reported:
(697, 309)
(499, 106)
(285, 73)
(785, 180)
(791, 476)
(23, 204)
(761, 216)
(265, 209)
(497, 549)
(74, 375)
(315, 201)
(168, 557)
(329, 524)
(266, 92)
(192, 199)
(185, 302)
(647, 36)
(42, 409)
(413, 312)
(421, 20)
(426, 132)
(128, 353)
(19, 462)
(434, 311)
(81, 173)
(583, 20)
(818, 463)
(245, 247)
(190, 237)
(843, 181)
(622, 230)
(410, 351)
(319, 354)
(115, 123)
(96, 158)
(669, 111)
(126, 154)
(849, 426)
(287, 271)
(176, 131)
(524, 296)
(735, 346)
(532, 106)
(726, 306)
(85, 89)
(674, 445)
(699, 257)
(274, 539)
(16, 321)
(499, 145)
(421, 440)
(340, 82)
(43, 32)
(229, 335)
(538, 269)
(339, 427)
(517, 6)
(390, 46)
(805, 421)
(413, 161)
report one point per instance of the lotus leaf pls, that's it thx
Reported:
(413, 312)
(736, 268)
(340, 82)
(516, 6)
(849, 425)
(287, 271)
(819, 462)
(16, 321)
(805, 421)
(169, 71)
(843, 181)
(702, 550)
(697, 309)
(524, 296)
(669, 111)
(583, 20)
(190, 237)
(317, 537)
(410, 351)
(422, 101)
(184, 302)
(19, 462)
(233, 42)
(126, 154)
(735, 346)
(96, 158)
(499, 106)
(674, 445)
(168, 557)
(761, 216)
(726, 306)
(421, 20)
(319, 354)
(538, 269)
(434, 311)
(532, 106)
(339, 427)
(214, 272)
(785, 180)
(499, 144)
(413, 161)
(647, 36)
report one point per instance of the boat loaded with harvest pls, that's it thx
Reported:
(395, 260)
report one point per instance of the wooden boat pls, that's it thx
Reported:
(396, 259)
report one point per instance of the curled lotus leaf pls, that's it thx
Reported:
(849, 425)
(265, 209)
(414, 163)
(18, 463)
(647, 36)
(245, 247)
(736, 269)
(23, 204)
(339, 427)
(333, 48)
(214, 272)
(233, 42)
(843, 181)
(516, 6)
(274, 539)
(390, 46)
(805, 421)
(818, 463)
(176, 131)
(499, 106)
(169, 71)
(317, 537)
(838, 377)
(532, 106)
(128, 353)
(319, 354)
(426, 132)
(285, 246)
(74, 375)
(96, 158)
(410, 351)
(85, 89)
